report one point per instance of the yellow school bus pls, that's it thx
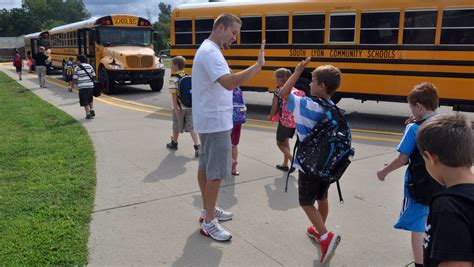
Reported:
(119, 47)
(383, 48)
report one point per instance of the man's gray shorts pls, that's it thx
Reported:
(215, 155)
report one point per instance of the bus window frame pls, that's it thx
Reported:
(277, 30)
(373, 29)
(454, 28)
(342, 14)
(201, 32)
(311, 30)
(249, 31)
(178, 33)
(419, 28)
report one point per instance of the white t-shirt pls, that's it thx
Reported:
(212, 103)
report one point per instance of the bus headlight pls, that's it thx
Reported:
(115, 66)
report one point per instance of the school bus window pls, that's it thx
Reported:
(420, 27)
(183, 32)
(458, 27)
(342, 27)
(308, 28)
(203, 28)
(276, 29)
(379, 27)
(251, 31)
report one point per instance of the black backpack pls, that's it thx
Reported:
(184, 90)
(326, 151)
(421, 186)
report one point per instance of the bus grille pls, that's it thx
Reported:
(137, 62)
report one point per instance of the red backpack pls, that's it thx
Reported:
(17, 61)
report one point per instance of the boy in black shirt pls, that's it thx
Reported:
(446, 143)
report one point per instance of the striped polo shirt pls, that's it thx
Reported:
(83, 81)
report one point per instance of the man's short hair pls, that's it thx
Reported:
(82, 58)
(179, 61)
(282, 73)
(330, 76)
(426, 94)
(448, 136)
(227, 20)
(71, 58)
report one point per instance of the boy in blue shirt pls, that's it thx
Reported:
(325, 81)
(423, 101)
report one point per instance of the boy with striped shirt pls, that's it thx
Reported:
(325, 81)
(85, 85)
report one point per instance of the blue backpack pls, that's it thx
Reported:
(184, 90)
(326, 151)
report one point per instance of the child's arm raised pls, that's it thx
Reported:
(400, 161)
(286, 89)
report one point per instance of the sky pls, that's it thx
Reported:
(145, 8)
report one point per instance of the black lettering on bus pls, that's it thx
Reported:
(297, 52)
(344, 53)
(317, 53)
(381, 54)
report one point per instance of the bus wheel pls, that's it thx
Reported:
(106, 83)
(303, 84)
(64, 75)
(336, 98)
(156, 85)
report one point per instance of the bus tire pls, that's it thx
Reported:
(303, 84)
(336, 98)
(156, 85)
(106, 83)
(64, 74)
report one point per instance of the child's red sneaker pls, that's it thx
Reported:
(328, 246)
(311, 232)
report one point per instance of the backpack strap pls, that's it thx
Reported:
(82, 67)
(292, 160)
(178, 81)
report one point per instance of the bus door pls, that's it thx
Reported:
(86, 44)
(34, 46)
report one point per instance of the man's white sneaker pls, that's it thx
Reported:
(215, 231)
(220, 214)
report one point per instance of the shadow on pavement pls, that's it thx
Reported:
(277, 198)
(199, 252)
(170, 167)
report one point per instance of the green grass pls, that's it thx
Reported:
(47, 180)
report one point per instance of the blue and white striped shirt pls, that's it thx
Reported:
(307, 113)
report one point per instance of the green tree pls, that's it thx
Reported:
(162, 27)
(41, 15)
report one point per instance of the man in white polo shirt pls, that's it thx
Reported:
(212, 84)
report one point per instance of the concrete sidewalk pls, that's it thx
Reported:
(147, 199)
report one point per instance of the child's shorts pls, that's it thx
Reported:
(183, 123)
(85, 96)
(284, 132)
(68, 78)
(235, 134)
(18, 69)
(311, 188)
(413, 216)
